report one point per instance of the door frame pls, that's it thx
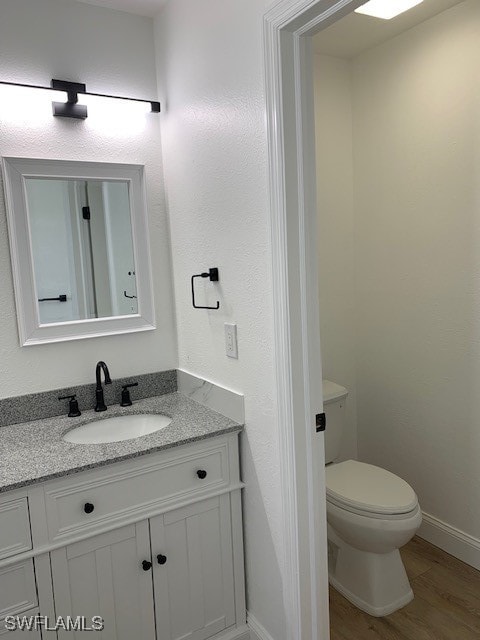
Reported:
(288, 64)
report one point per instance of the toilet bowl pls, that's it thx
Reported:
(371, 513)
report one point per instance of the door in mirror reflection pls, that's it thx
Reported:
(82, 248)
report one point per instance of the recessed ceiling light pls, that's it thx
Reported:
(386, 9)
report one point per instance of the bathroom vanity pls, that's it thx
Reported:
(145, 533)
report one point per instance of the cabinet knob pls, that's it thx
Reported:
(88, 507)
(146, 565)
(202, 474)
(161, 559)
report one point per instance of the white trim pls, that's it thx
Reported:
(234, 633)
(452, 540)
(31, 332)
(284, 382)
(257, 631)
(289, 88)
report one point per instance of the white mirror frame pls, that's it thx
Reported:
(31, 332)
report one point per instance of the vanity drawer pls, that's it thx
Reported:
(14, 527)
(118, 492)
(18, 591)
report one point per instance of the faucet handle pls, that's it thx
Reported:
(73, 410)
(126, 400)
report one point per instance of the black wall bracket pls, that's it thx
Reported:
(71, 108)
(320, 422)
(212, 274)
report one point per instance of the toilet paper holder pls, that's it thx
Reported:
(212, 275)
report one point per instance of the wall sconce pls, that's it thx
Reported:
(71, 107)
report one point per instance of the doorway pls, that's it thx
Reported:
(289, 71)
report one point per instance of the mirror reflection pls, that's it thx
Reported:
(82, 248)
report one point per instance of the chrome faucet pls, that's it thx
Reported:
(100, 402)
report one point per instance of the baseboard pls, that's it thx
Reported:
(455, 542)
(257, 631)
(236, 633)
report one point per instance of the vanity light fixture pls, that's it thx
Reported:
(386, 9)
(71, 108)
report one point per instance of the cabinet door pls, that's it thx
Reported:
(103, 576)
(21, 634)
(193, 570)
(18, 591)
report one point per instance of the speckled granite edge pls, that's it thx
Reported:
(45, 404)
(36, 452)
(119, 458)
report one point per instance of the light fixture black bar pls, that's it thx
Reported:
(27, 86)
(71, 108)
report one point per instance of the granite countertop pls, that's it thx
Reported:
(34, 451)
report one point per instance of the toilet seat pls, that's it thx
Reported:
(369, 490)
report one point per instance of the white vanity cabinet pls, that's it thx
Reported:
(193, 573)
(153, 545)
(18, 590)
(176, 567)
(103, 576)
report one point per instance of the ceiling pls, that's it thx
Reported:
(344, 39)
(140, 7)
(356, 32)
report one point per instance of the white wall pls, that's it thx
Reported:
(70, 40)
(416, 254)
(210, 63)
(334, 151)
(417, 195)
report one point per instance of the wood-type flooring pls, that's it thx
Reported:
(446, 604)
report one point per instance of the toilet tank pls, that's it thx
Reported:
(334, 398)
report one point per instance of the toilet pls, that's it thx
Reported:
(371, 513)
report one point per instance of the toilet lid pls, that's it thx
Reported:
(365, 487)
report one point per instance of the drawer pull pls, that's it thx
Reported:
(88, 507)
(202, 474)
(161, 559)
(146, 565)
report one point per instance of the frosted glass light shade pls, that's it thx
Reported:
(108, 105)
(386, 9)
(18, 103)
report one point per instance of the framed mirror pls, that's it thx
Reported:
(79, 245)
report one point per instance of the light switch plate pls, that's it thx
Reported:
(231, 346)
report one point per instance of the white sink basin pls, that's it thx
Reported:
(117, 429)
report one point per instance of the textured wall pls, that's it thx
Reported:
(210, 61)
(334, 150)
(417, 195)
(65, 39)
